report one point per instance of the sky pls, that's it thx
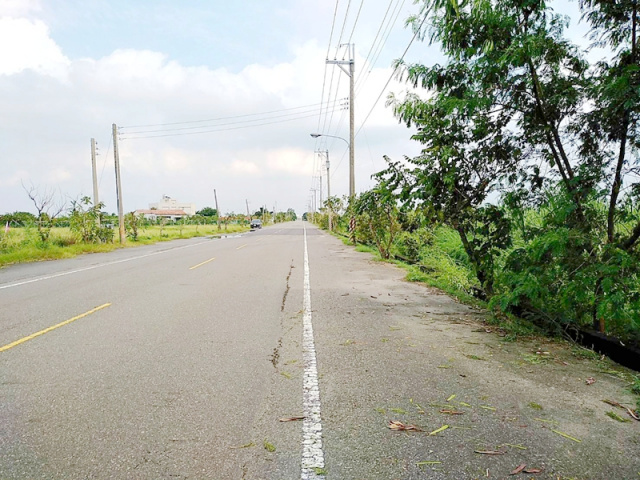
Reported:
(206, 94)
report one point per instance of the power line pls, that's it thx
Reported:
(194, 127)
(324, 78)
(220, 118)
(375, 39)
(392, 73)
(346, 15)
(216, 129)
(356, 21)
(376, 50)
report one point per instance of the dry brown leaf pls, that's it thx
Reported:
(290, 419)
(451, 412)
(395, 425)
(613, 403)
(518, 469)
(533, 470)
(489, 452)
(590, 381)
(633, 414)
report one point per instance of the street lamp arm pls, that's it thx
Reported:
(316, 135)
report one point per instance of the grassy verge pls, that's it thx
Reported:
(22, 245)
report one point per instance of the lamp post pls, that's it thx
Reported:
(351, 170)
(352, 182)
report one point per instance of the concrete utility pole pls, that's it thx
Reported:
(326, 152)
(95, 175)
(94, 172)
(217, 209)
(351, 74)
(248, 214)
(116, 157)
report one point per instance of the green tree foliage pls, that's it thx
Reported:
(18, 219)
(133, 223)
(207, 212)
(85, 221)
(518, 121)
(377, 218)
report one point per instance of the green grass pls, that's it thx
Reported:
(22, 245)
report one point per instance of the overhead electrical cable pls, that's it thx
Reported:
(216, 128)
(375, 39)
(324, 78)
(377, 49)
(221, 118)
(356, 21)
(418, 30)
(344, 23)
(195, 127)
(390, 26)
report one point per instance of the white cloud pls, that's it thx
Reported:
(291, 161)
(19, 8)
(27, 45)
(46, 124)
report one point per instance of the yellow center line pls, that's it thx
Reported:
(200, 264)
(242, 246)
(47, 330)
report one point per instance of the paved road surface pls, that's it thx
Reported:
(197, 348)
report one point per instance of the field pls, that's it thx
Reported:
(21, 245)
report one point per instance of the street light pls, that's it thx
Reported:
(352, 183)
(316, 135)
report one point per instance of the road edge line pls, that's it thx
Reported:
(312, 454)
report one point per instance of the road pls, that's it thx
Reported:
(178, 360)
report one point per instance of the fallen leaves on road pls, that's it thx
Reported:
(533, 470)
(246, 445)
(489, 452)
(590, 381)
(399, 426)
(518, 469)
(617, 417)
(565, 435)
(451, 412)
(269, 447)
(441, 429)
(632, 413)
(290, 419)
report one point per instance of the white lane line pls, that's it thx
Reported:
(312, 454)
(70, 272)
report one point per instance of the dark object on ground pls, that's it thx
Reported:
(624, 353)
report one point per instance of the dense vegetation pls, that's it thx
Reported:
(530, 158)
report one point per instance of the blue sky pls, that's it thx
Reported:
(70, 68)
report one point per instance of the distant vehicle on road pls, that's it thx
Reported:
(256, 224)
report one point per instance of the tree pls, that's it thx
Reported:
(49, 204)
(377, 218)
(556, 132)
(85, 220)
(18, 219)
(207, 212)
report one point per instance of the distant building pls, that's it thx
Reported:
(154, 214)
(168, 208)
(168, 203)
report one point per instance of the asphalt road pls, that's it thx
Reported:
(174, 372)
(178, 360)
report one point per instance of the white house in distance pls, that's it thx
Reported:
(168, 208)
